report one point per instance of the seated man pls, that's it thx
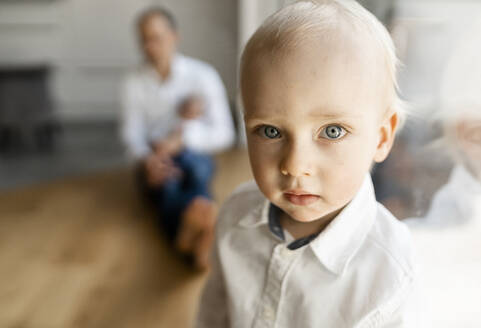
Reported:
(175, 113)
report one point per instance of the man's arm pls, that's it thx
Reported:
(155, 159)
(133, 130)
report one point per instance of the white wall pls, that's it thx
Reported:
(91, 44)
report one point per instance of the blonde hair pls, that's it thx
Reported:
(291, 25)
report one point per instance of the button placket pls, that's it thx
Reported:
(281, 260)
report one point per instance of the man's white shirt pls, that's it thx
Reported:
(356, 273)
(151, 106)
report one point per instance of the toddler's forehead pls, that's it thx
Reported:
(340, 55)
(331, 76)
(322, 48)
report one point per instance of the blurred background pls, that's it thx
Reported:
(61, 65)
(77, 246)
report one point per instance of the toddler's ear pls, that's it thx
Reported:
(387, 133)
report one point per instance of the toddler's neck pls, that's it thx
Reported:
(304, 229)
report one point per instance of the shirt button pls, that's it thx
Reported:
(286, 252)
(268, 313)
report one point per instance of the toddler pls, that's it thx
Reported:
(308, 245)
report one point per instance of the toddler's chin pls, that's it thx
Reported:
(303, 216)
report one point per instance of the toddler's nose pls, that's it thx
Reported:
(296, 161)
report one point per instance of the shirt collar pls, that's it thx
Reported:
(337, 244)
(258, 216)
(176, 67)
(276, 228)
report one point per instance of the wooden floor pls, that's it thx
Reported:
(85, 252)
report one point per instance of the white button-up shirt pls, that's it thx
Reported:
(356, 273)
(150, 108)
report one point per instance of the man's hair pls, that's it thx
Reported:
(156, 11)
(293, 24)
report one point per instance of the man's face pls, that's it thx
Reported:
(158, 39)
(314, 126)
(468, 135)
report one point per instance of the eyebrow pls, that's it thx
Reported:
(315, 116)
(333, 112)
(335, 115)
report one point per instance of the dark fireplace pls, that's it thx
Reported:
(26, 108)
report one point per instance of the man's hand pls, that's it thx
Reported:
(170, 146)
(159, 168)
(191, 108)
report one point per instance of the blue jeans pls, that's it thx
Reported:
(174, 195)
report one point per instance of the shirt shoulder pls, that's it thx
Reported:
(393, 240)
(243, 201)
(135, 78)
(387, 258)
(198, 68)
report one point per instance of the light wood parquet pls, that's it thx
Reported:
(85, 252)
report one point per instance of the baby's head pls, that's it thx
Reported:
(318, 83)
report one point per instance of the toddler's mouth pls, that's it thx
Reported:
(300, 197)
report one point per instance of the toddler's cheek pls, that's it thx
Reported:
(270, 188)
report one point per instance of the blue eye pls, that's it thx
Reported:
(333, 132)
(270, 132)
